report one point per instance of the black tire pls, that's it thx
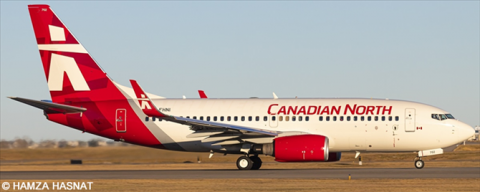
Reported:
(419, 164)
(257, 162)
(244, 163)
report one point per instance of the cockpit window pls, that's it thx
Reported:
(442, 117)
(450, 116)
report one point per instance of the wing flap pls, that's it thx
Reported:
(215, 139)
(228, 142)
(204, 134)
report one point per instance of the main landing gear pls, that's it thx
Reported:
(249, 163)
(419, 163)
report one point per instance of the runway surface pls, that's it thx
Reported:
(358, 173)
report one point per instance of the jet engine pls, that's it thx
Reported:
(298, 148)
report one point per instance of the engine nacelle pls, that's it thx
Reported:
(297, 148)
(301, 148)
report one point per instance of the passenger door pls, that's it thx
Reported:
(409, 120)
(121, 120)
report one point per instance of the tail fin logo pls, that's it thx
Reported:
(59, 65)
(144, 102)
(56, 33)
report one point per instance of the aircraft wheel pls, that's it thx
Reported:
(244, 163)
(257, 162)
(419, 164)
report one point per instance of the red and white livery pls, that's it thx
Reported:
(292, 130)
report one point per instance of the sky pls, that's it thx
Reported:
(427, 51)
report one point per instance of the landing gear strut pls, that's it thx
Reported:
(419, 163)
(249, 163)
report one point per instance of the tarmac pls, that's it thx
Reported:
(329, 173)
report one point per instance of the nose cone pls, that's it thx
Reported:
(465, 131)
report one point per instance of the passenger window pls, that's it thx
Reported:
(221, 118)
(235, 118)
(188, 117)
(383, 118)
(355, 118)
(265, 118)
(390, 118)
(376, 118)
(300, 118)
(194, 117)
(229, 118)
(397, 118)
(307, 118)
(348, 118)
(249, 118)
(280, 118)
(201, 118)
(243, 118)
(146, 118)
(153, 118)
(341, 118)
(362, 118)
(320, 118)
(214, 118)
(273, 118)
(294, 118)
(287, 118)
(327, 118)
(257, 118)
(334, 118)
(369, 118)
(208, 118)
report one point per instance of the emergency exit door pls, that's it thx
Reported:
(410, 120)
(121, 120)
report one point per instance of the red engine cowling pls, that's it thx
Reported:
(299, 148)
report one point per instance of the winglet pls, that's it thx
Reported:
(202, 94)
(274, 95)
(145, 102)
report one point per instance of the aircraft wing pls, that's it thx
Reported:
(50, 107)
(217, 131)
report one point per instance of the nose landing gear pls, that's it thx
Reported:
(419, 163)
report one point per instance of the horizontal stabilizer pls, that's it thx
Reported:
(50, 107)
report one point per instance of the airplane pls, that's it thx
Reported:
(83, 97)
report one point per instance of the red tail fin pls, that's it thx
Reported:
(71, 73)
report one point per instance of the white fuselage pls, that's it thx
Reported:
(393, 126)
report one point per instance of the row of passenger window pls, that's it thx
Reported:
(292, 118)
